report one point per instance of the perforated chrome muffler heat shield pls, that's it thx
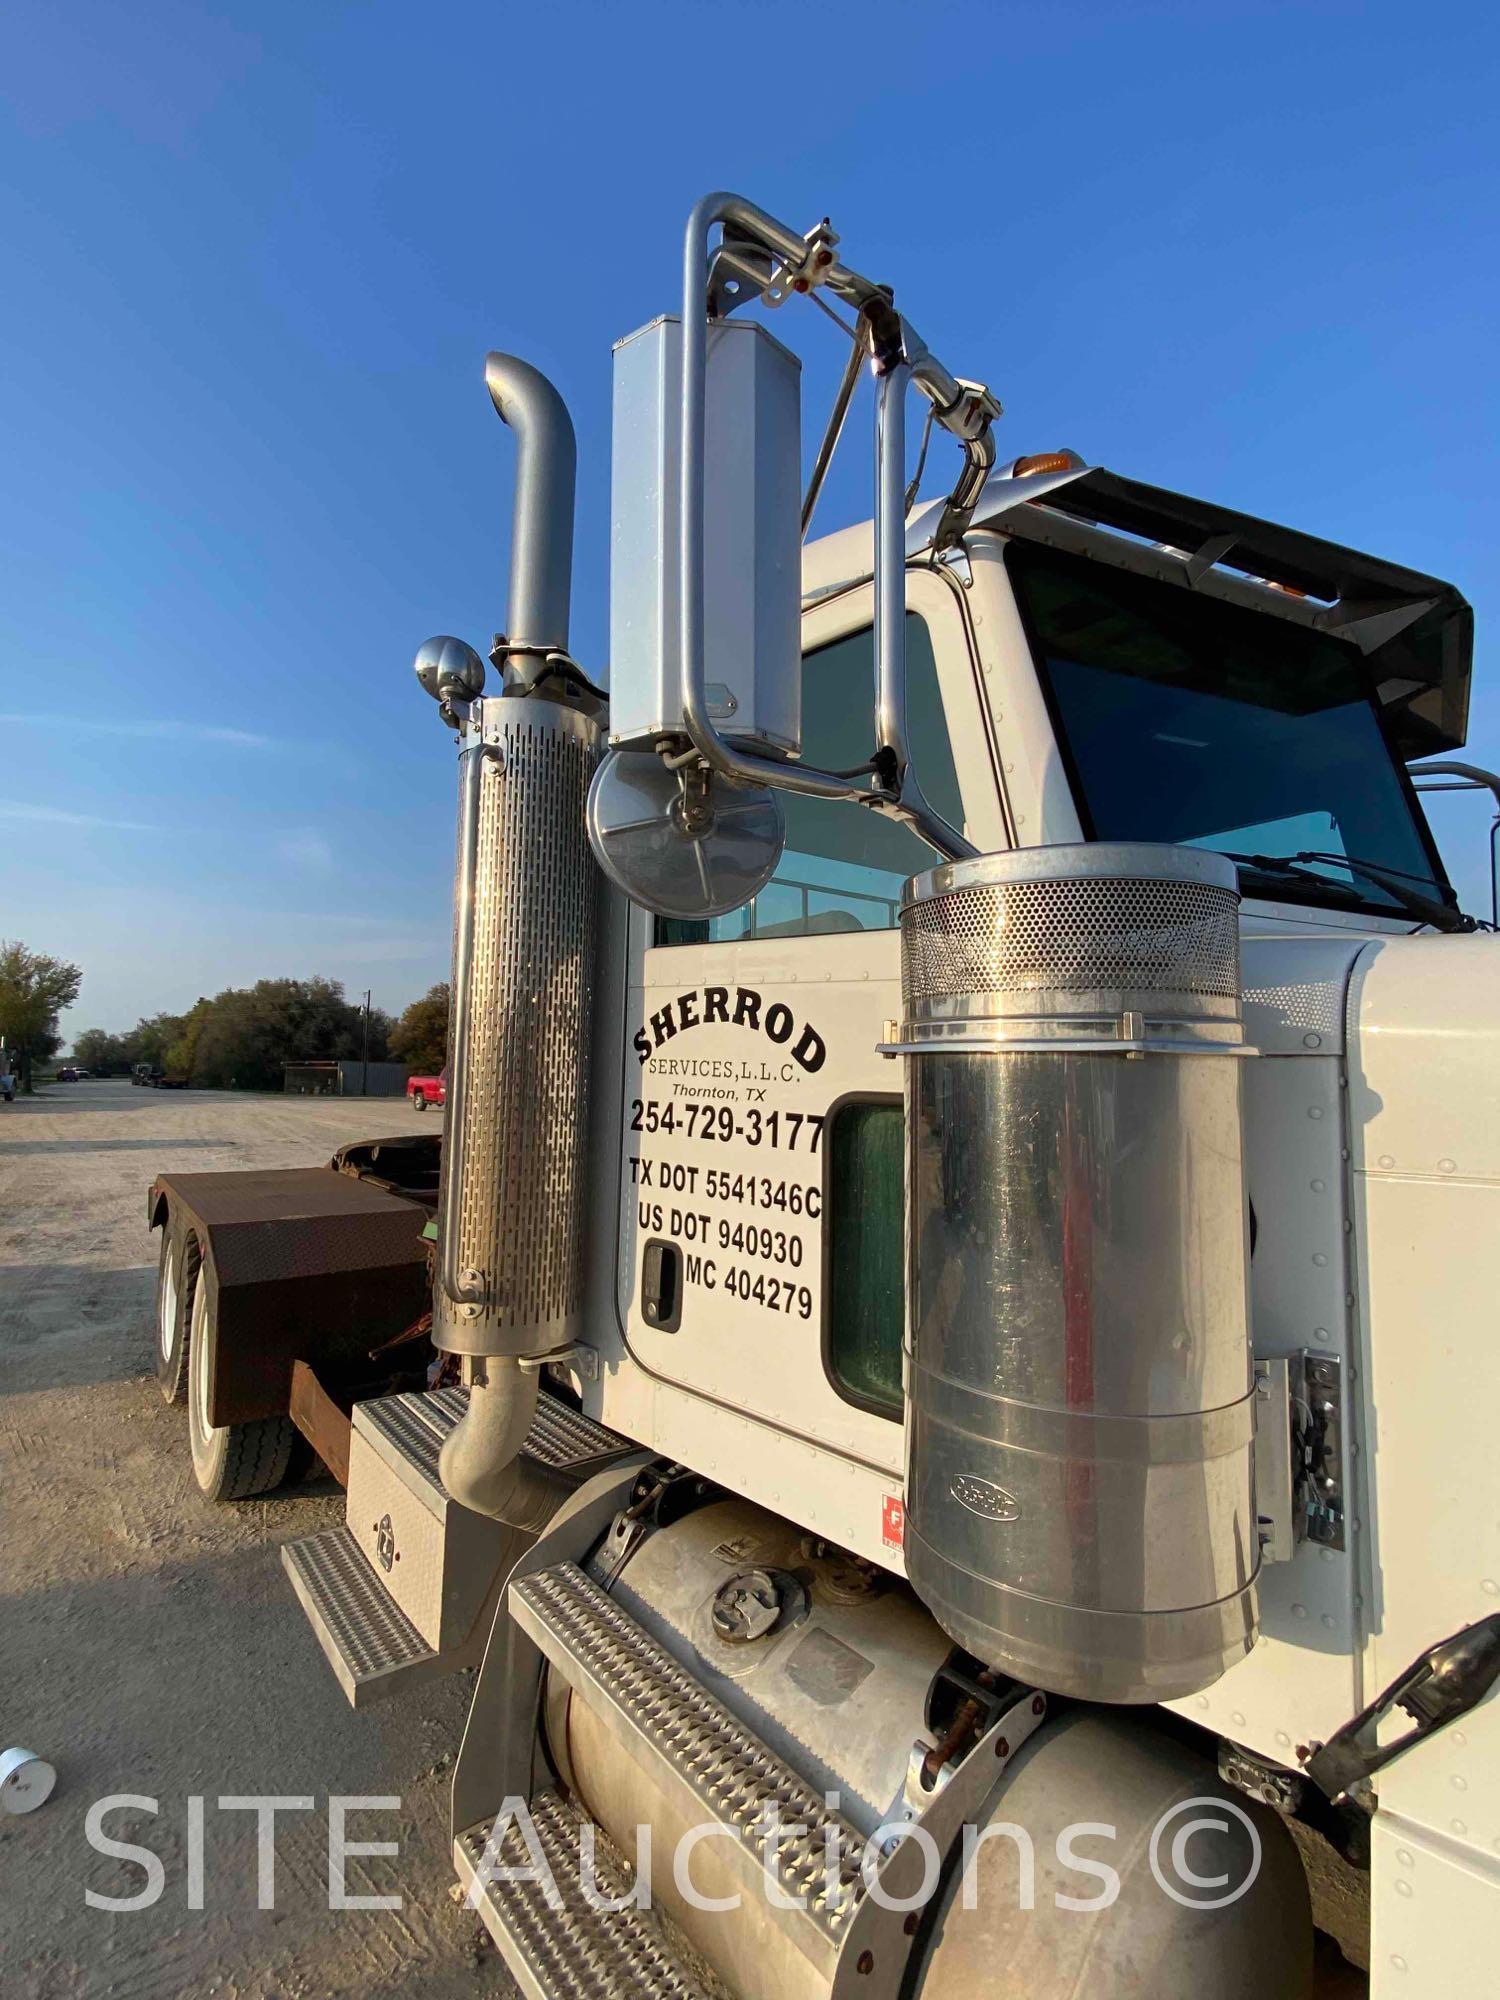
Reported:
(511, 1229)
(1080, 1508)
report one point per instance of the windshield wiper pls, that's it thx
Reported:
(1395, 882)
(1359, 861)
(1428, 908)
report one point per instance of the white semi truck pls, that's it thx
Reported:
(960, 1282)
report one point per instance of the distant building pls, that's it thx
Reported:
(345, 1078)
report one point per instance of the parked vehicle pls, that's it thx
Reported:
(143, 1072)
(424, 1090)
(960, 1296)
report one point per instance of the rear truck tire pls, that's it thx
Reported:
(419, 1100)
(172, 1316)
(230, 1461)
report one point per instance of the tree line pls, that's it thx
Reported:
(241, 1038)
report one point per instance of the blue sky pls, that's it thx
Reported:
(254, 258)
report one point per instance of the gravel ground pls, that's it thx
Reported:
(149, 1641)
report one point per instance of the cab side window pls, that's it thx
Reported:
(865, 1205)
(843, 867)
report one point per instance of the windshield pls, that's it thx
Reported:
(1189, 720)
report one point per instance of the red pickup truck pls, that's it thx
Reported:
(424, 1090)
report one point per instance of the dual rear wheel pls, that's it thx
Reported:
(230, 1461)
(171, 1319)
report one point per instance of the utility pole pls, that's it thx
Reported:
(364, 1089)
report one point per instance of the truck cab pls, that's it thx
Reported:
(1071, 681)
(1067, 682)
(950, 1264)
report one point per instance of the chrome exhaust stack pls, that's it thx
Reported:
(508, 1284)
(541, 536)
(1080, 1401)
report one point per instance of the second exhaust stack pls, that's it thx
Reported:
(510, 1215)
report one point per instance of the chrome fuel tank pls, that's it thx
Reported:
(1080, 1508)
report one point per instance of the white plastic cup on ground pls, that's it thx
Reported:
(26, 1780)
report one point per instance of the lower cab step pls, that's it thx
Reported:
(406, 1590)
(372, 1646)
(558, 1943)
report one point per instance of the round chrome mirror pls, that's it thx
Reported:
(671, 861)
(449, 669)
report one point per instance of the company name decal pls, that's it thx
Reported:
(732, 1007)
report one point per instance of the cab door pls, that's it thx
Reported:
(760, 1246)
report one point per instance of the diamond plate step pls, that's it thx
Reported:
(563, 1437)
(413, 1428)
(450, 1560)
(572, 1951)
(699, 1751)
(372, 1646)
